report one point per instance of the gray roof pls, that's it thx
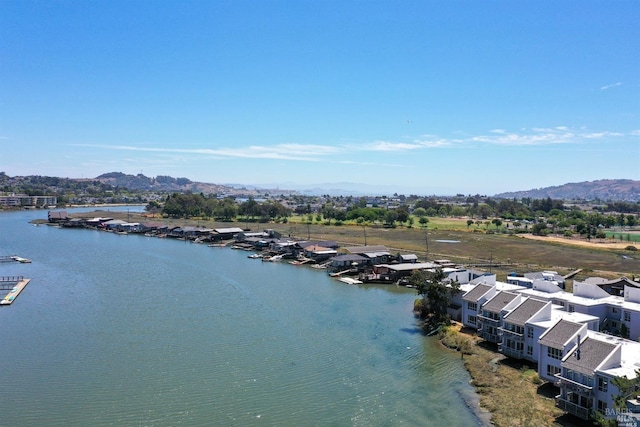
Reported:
(409, 266)
(349, 257)
(499, 301)
(476, 293)
(522, 313)
(366, 249)
(592, 353)
(558, 335)
(228, 230)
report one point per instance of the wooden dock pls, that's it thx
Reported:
(15, 291)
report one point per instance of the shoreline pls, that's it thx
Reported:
(501, 384)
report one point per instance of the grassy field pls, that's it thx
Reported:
(624, 237)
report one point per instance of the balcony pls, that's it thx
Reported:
(511, 352)
(573, 408)
(489, 337)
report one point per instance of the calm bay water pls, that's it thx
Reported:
(136, 331)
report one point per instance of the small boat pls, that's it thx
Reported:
(254, 256)
(275, 258)
(349, 280)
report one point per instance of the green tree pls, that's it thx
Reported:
(437, 292)
(420, 212)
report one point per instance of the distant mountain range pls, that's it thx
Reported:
(626, 190)
(167, 184)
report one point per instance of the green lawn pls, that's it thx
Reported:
(623, 237)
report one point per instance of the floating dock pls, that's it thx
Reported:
(14, 258)
(19, 283)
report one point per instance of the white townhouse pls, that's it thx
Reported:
(492, 313)
(540, 324)
(518, 339)
(472, 301)
(555, 343)
(586, 380)
(618, 314)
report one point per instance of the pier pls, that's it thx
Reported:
(13, 284)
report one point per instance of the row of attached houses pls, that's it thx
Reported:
(561, 332)
(22, 200)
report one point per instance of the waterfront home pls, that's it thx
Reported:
(391, 273)
(319, 253)
(408, 258)
(57, 216)
(589, 369)
(284, 246)
(619, 315)
(348, 261)
(492, 312)
(229, 233)
(190, 232)
(377, 254)
(473, 300)
(516, 337)
(112, 225)
(555, 343)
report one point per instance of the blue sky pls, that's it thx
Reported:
(426, 97)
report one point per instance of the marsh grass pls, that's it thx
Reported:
(511, 390)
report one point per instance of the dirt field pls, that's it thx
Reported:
(594, 243)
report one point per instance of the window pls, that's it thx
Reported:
(603, 384)
(529, 332)
(614, 310)
(614, 324)
(471, 319)
(529, 350)
(472, 306)
(627, 316)
(602, 406)
(572, 308)
(552, 370)
(554, 353)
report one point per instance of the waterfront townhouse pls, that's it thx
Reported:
(555, 343)
(516, 336)
(619, 315)
(589, 370)
(492, 312)
(472, 302)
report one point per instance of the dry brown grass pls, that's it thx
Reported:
(509, 389)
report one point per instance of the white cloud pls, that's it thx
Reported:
(611, 86)
(344, 154)
(392, 146)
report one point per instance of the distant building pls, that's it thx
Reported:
(22, 200)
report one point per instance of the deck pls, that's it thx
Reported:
(14, 291)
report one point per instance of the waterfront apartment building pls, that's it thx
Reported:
(588, 373)
(559, 331)
(22, 200)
